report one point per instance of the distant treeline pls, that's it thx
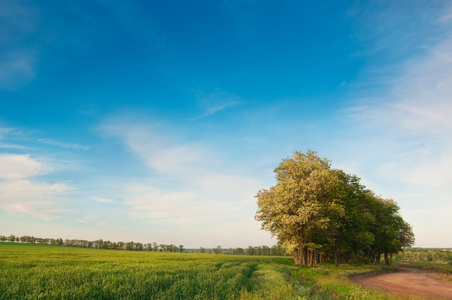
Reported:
(419, 254)
(135, 246)
(258, 250)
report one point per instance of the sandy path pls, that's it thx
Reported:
(412, 281)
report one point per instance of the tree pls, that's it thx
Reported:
(99, 243)
(296, 207)
(155, 246)
(25, 239)
(391, 232)
(406, 235)
(239, 251)
(348, 229)
(250, 250)
(218, 250)
(138, 246)
(120, 245)
(317, 212)
(130, 246)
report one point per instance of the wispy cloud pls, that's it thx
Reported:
(3, 133)
(193, 163)
(63, 145)
(192, 217)
(17, 61)
(216, 101)
(105, 200)
(16, 69)
(132, 16)
(191, 188)
(411, 125)
(181, 208)
(12, 146)
(4, 130)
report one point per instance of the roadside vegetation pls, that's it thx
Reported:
(441, 255)
(438, 260)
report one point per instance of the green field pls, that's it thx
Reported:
(29, 271)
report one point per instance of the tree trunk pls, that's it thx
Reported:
(386, 259)
(297, 257)
(310, 255)
(337, 253)
(377, 258)
(304, 255)
(314, 258)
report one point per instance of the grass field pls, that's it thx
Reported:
(29, 271)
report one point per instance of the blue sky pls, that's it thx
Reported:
(160, 120)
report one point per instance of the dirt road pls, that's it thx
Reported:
(411, 281)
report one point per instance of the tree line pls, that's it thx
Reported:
(275, 250)
(320, 214)
(432, 255)
(150, 247)
(97, 244)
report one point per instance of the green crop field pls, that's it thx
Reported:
(29, 271)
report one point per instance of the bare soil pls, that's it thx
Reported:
(408, 281)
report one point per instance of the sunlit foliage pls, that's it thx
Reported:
(317, 213)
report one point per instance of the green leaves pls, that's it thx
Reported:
(314, 209)
(301, 202)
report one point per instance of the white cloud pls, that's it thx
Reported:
(24, 197)
(180, 208)
(63, 145)
(194, 164)
(190, 188)
(20, 195)
(190, 218)
(17, 166)
(419, 119)
(407, 139)
(105, 200)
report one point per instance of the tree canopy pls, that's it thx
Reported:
(317, 213)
